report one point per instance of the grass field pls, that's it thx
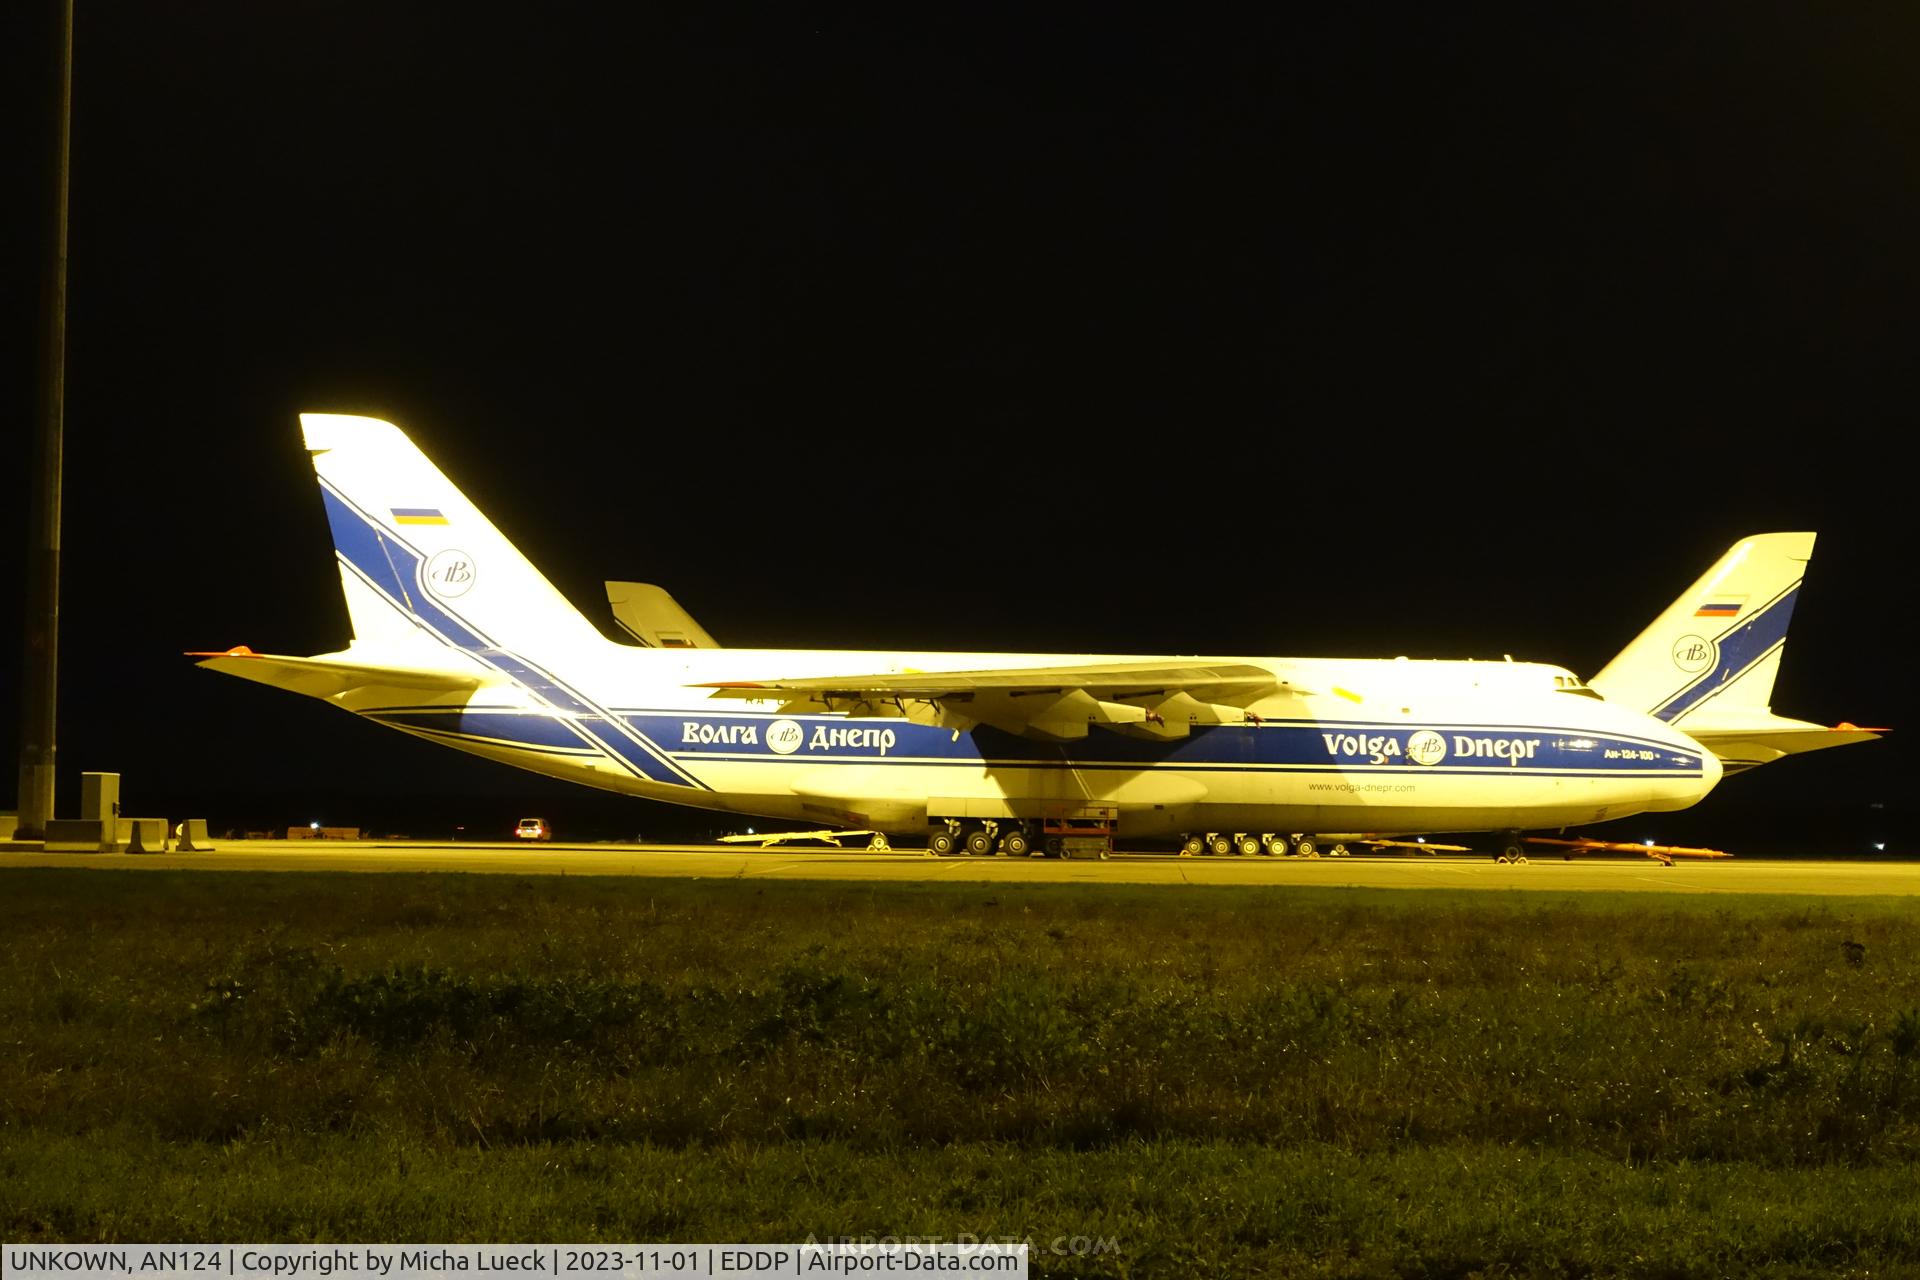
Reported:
(1140, 1080)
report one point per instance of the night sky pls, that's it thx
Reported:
(1355, 334)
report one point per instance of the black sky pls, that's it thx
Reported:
(1354, 334)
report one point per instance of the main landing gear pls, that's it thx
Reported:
(1248, 844)
(1008, 838)
(975, 839)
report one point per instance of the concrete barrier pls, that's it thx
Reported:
(78, 835)
(191, 837)
(142, 835)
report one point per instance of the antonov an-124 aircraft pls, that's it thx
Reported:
(459, 640)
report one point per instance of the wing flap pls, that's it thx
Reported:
(1115, 680)
(1158, 700)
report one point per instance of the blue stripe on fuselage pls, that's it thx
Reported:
(443, 729)
(1295, 747)
(1292, 745)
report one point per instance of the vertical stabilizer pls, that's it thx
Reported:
(654, 618)
(1718, 646)
(418, 562)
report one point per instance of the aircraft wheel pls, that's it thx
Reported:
(941, 843)
(1054, 847)
(1192, 847)
(879, 844)
(1015, 844)
(1247, 846)
(1339, 851)
(1220, 846)
(1307, 847)
(979, 843)
(1281, 846)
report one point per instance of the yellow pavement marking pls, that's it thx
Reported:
(1900, 879)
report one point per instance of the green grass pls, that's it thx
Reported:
(1215, 1081)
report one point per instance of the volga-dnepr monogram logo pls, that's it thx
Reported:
(449, 574)
(1693, 654)
(1426, 747)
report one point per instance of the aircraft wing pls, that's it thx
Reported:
(1148, 699)
(332, 675)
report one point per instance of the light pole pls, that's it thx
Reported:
(40, 661)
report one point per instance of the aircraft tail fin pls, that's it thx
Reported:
(654, 618)
(418, 562)
(1714, 653)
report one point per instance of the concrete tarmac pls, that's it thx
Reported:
(1745, 876)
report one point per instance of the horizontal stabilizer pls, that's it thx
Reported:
(1762, 739)
(331, 675)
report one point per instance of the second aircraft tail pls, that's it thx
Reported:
(1718, 646)
(1707, 665)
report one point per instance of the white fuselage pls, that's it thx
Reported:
(1384, 747)
(458, 638)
